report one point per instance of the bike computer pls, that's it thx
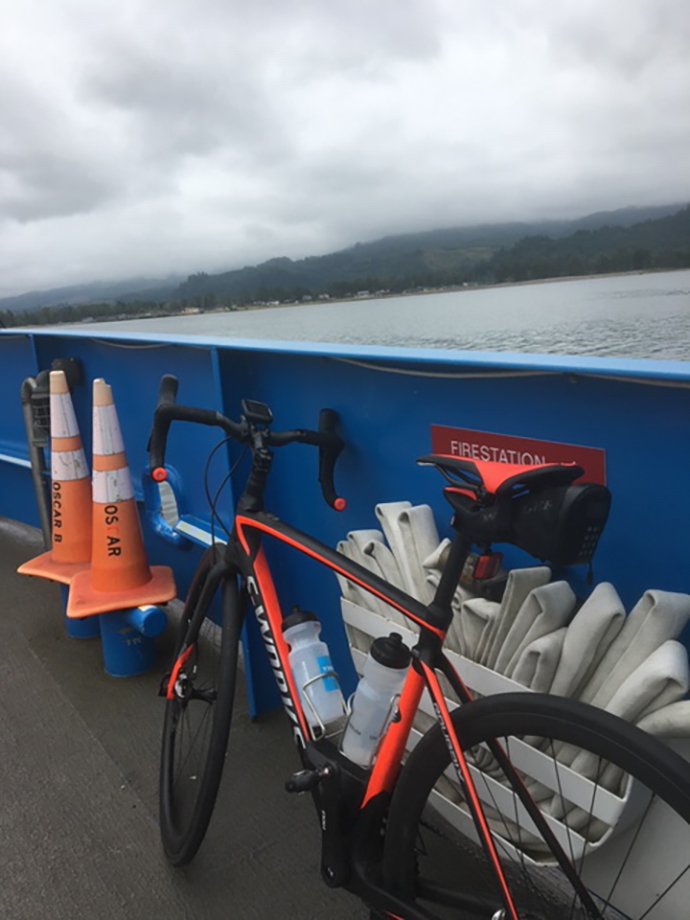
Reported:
(256, 412)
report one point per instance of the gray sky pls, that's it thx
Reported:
(151, 136)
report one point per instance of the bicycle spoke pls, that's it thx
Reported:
(497, 838)
(665, 892)
(205, 724)
(609, 897)
(564, 806)
(600, 770)
(527, 877)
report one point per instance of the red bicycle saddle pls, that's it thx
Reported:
(500, 478)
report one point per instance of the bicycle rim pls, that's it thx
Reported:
(617, 800)
(195, 731)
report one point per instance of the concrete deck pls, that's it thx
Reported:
(79, 775)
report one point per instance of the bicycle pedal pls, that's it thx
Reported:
(163, 687)
(303, 781)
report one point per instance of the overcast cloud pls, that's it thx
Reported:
(152, 136)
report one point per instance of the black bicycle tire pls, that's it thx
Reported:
(644, 757)
(181, 847)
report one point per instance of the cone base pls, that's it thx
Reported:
(45, 566)
(85, 601)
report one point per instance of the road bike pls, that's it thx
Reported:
(504, 808)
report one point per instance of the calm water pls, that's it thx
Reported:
(644, 316)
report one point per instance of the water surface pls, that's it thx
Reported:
(643, 316)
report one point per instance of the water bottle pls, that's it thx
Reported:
(310, 660)
(372, 706)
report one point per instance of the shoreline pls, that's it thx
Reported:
(247, 308)
(510, 284)
(452, 289)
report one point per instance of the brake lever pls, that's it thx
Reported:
(328, 456)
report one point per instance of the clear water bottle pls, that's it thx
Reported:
(310, 662)
(372, 706)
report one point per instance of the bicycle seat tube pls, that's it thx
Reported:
(439, 611)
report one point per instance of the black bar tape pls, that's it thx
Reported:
(328, 454)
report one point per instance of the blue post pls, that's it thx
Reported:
(127, 639)
(88, 628)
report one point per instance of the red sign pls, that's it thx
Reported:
(503, 448)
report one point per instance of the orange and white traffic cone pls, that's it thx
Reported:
(70, 493)
(120, 576)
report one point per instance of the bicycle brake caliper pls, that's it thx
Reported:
(170, 686)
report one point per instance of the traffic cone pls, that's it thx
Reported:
(120, 576)
(70, 493)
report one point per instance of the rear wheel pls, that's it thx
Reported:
(197, 721)
(617, 800)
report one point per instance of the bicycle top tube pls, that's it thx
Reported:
(263, 523)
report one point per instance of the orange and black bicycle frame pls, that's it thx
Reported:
(352, 803)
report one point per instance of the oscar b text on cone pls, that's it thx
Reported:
(70, 493)
(120, 576)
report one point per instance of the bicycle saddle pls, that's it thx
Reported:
(480, 477)
(538, 508)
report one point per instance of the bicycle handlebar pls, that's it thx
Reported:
(167, 410)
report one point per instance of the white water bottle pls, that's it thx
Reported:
(310, 662)
(373, 706)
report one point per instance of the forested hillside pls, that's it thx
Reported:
(444, 258)
(598, 244)
(663, 243)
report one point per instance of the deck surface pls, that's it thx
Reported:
(79, 776)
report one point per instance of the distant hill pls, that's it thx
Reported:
(443, 256)
(661, 243)
(76, 294)
(438, 257)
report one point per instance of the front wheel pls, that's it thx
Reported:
(617, 800)
(197, 719)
